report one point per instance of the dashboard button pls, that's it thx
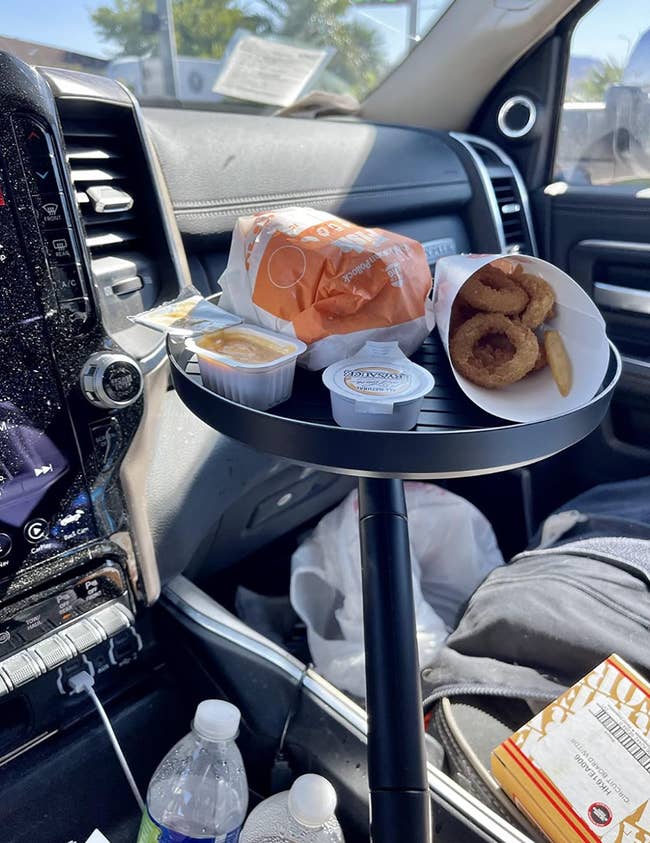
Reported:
(35, 530)
(53, 651)
(9, 641)
(5, 545)
(59, 246)
(122, 382)
(35, 627)
(32, 138)
(111, 380)
(42, 177)
(83, 635)
(51, 211)
(75, 309)
(20, 668)
(66, 281)
(107, 439)
(112, 620)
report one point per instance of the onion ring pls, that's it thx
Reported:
(542, 359)
(541, 299)
(492, 290)
(501, 372)
(493, 350)
(460, 312)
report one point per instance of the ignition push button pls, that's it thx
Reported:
(111, 380)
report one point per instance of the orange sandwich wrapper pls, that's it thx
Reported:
(580, 769)
(328, 282)
(577, 318)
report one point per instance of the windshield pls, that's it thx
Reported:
(225, 53)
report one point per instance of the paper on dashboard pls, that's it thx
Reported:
(268, 72)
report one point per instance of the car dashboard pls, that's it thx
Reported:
(107, 209)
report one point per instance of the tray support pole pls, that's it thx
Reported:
(399, 791)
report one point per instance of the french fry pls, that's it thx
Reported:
(558, 361)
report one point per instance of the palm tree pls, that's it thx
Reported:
(205, 27)
(600, 79)
(358, 63)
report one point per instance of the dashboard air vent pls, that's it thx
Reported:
(104, 187)
(119, 207)
(509, 199)
(512, 215)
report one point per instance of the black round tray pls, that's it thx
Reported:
(453, 436)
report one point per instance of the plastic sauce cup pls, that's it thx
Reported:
(247, 364)
(378, 388)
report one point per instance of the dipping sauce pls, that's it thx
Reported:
(247, 364)
(244, 346)
(378, 388)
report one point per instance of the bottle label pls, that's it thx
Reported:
(153, 832)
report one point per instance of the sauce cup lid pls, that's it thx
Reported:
(379, 374)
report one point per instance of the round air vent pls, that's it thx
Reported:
(517, 117)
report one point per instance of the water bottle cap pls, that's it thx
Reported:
(312, 800)
(216, 720)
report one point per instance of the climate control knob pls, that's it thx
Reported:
(111, 380)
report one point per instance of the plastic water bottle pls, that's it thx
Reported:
(304, 814)
(199, 791)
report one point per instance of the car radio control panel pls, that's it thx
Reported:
(52, 629)
(73, 416)
(84, 621)
(70, 405)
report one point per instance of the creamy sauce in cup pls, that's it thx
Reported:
(243, 346)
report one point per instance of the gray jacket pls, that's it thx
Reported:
(536, 626)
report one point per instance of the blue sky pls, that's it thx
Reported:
(610, 29)
(66, 23)
(59, 23)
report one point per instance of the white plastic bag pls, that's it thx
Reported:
(453, 548)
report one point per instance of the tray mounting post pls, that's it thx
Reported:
(400, 803)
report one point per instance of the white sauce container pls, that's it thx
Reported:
(259, 385)
(378, 388)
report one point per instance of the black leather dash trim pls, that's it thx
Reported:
(222, 165)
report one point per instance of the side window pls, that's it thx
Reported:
(604, 134)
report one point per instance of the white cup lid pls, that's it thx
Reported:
(217, 720)
(379, 373)
(312, 800)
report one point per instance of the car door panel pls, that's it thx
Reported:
(598, 233)
(602, 239)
